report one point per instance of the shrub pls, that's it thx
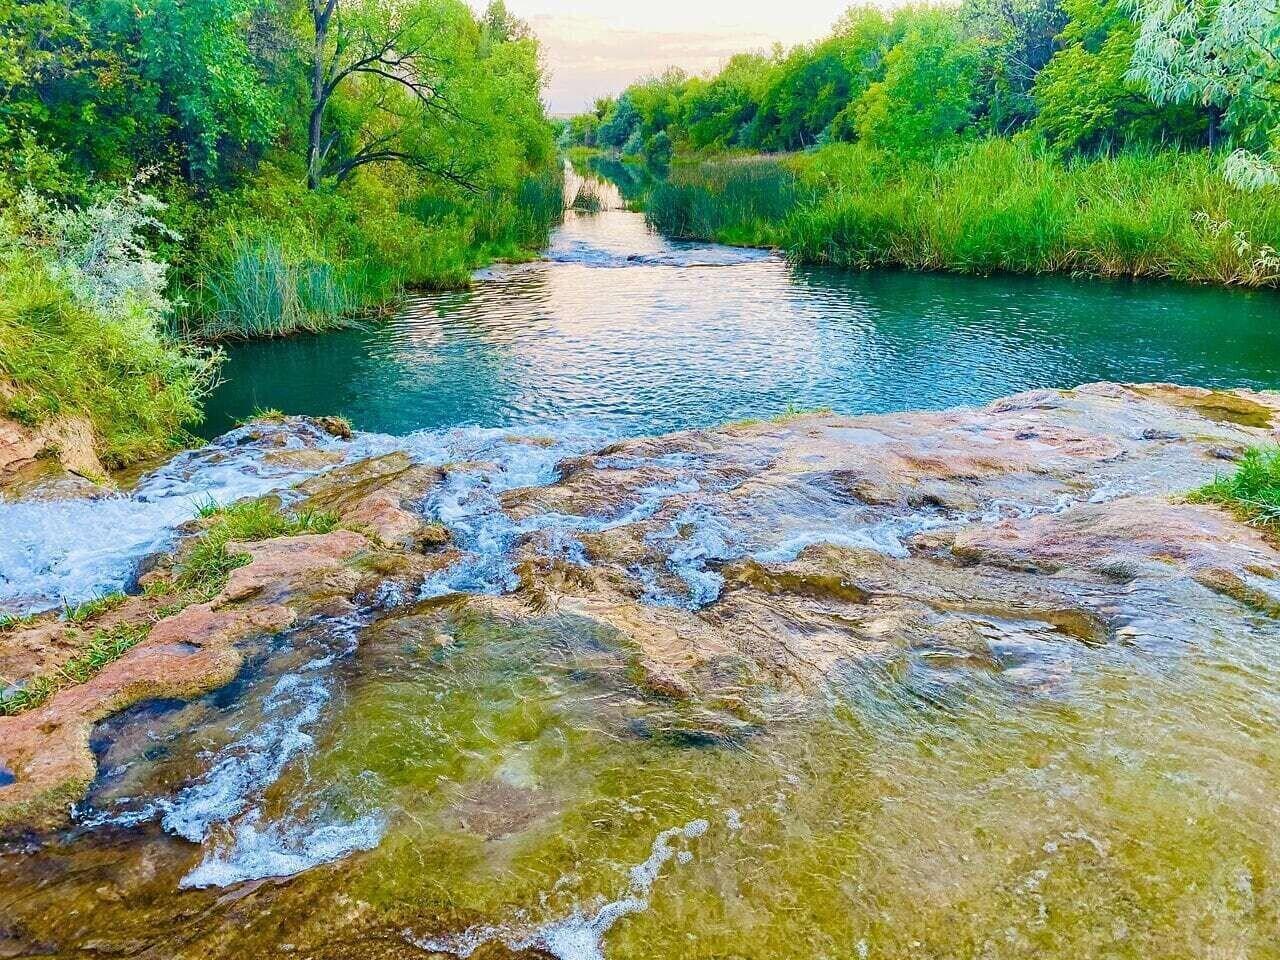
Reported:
(82, 330)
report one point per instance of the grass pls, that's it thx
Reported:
(991, 206)
(273, 259)
(1253, 491)
(83, 612)
(11, 621)
(103, 648)
(138, 388)
(207, 564)
(587, 199)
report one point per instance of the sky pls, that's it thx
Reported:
(598, 48)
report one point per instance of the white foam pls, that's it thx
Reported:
(285, 848)
(580, 936)
(67, 551)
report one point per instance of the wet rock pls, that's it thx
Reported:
(193, 651)
(68, 440)
(745, 572)
(314, 566)
(19, 446)
(376, 495)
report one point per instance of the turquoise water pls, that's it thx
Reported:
(623, 326)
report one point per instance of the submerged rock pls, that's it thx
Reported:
(759, 562)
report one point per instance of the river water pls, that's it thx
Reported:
(646, 336)
(450, 784)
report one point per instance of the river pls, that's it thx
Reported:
(423, 777)
(641, 335)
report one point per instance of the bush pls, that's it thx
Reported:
(275, 258)
(82, 329)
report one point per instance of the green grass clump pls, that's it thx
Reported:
(59, 357)
(989, 206)
(208, 563)
(1253, 490)
(13, 621)
(103, 648)
(83, 612)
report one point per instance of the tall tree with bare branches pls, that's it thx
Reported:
(393, 62)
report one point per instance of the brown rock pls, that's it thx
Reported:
(281, 569)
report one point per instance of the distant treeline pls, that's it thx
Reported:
(1077, 76)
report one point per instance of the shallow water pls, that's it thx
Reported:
(426, 778)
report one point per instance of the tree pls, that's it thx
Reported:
(394, 58)
(1086, 100)
(928, 91)
(1020, 36)
(1222, 55)
(500, 26)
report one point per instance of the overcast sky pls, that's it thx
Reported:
(597, 48)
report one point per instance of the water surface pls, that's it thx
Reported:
(421, 778)
(622, 326)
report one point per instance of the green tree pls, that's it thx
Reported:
(383, 79)
(1086, 99)
(1220, 55)
(1020, 39)
(929, 89)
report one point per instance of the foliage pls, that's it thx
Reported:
(1087, 100)
(928, 91)
(1020, 38)
(1080, 76)
(1253, 490)
(1222, 55)
(992, 205)
(207, 563)
(82, 334)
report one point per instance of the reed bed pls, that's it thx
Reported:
(992, 206)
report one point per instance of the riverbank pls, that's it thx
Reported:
(111, 314)
(800, 645)
(993, 206)
(173, 178)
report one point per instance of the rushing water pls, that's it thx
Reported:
(434, 780)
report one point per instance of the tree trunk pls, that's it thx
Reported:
(321, 11)
(1215, 118)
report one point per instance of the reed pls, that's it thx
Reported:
(985, 207)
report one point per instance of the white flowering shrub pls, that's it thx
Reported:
(100, 251)
(1249, 171)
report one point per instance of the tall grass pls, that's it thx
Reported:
(992, 206)
(60, 357)
(276, 259)
(257, 291)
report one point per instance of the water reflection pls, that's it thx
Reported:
(649, 335)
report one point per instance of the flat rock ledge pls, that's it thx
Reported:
(45, 753)
(784, 556)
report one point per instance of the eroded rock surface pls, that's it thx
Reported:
(748, 568)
